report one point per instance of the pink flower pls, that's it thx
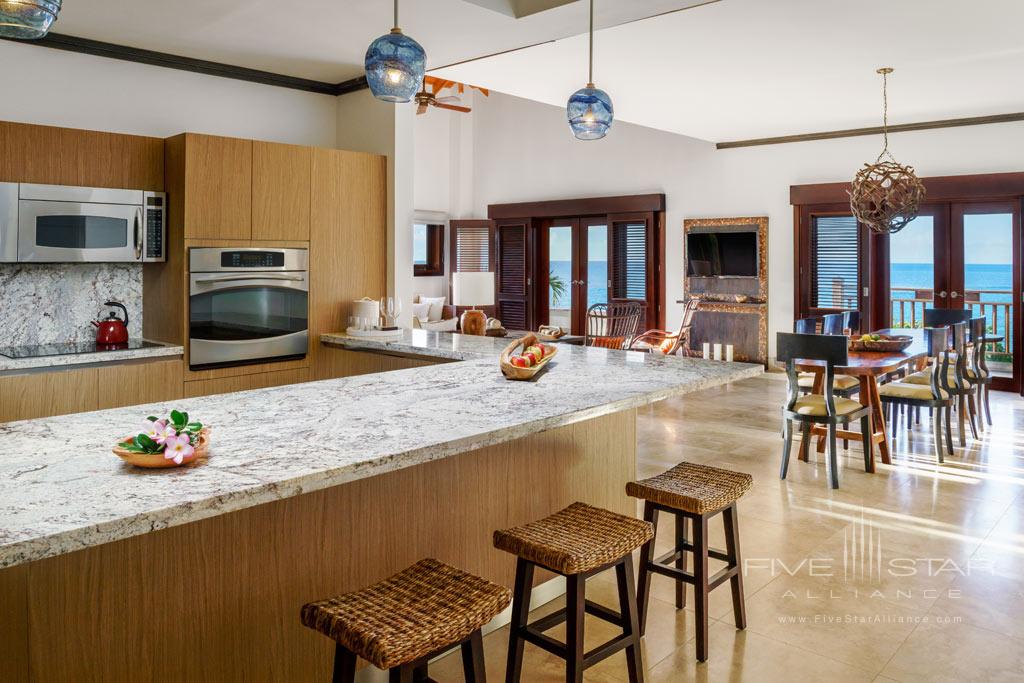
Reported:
(177, 448)
(164, 433)
(153, 429)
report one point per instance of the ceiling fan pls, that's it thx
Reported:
(425, 98)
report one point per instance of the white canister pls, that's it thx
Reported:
(707, 351)
(367, 309)
(718, 352)
(728, 352)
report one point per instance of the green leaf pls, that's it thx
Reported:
(148, 445)
(194, 426)
(178, 418)
(152, 418)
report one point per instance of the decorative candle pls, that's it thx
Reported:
(707, 351)
(728, 352)
(718, 352)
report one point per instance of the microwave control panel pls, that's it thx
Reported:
(156, 226)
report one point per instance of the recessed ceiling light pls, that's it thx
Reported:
(520, 8)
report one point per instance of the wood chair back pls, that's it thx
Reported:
(665, 341)
(941, 317)
(958, 338)
(831, 349)
(834, 323)
(613, 324)
(936, 340)
(806, 326)
(979, 327)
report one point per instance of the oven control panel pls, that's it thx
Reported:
(252, 259)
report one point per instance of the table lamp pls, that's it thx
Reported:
(473, 289)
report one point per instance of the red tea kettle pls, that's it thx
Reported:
(112, 330)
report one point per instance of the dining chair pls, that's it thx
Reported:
(955, 382)
(977, 371)
(612, 325)
(845, 386)
(834, 323)
(819, 409)
(933, 395)
(667, 342)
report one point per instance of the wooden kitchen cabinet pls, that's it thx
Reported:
(281, 187)
(43, 394)
(137, 383)
(209, 180)
(347, 241)
(260, 380)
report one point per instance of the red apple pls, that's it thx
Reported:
(537, 349)
(519, 362)
(531, 356)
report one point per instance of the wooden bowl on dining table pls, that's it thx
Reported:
(885, 344)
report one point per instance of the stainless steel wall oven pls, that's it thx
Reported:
(247, 305)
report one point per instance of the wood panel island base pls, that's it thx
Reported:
(219, 599)
(198, 574)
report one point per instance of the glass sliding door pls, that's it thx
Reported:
(561, 270)
(918, 268)
(986, 276)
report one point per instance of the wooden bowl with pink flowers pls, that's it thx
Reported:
(165, 442)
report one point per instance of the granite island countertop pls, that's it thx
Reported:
(61, 489)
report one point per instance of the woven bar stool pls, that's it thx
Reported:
(577, 543)
(404, 621)
(696, 493)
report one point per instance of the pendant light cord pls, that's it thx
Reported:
(591, 80)
(885, 114)
(396, 13)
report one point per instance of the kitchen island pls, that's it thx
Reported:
(198, 573)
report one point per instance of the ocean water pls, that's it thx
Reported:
(597, 283)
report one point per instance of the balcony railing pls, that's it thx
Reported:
(908, 304)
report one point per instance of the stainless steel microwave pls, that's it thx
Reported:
(64, 224)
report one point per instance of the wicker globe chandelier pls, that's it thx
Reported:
(886, 195)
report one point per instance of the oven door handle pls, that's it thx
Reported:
(261, 276)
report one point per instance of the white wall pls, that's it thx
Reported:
(524, 151)
(58, 88)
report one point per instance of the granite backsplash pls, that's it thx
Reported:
(54, 302)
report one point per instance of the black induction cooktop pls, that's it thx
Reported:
(70, 348)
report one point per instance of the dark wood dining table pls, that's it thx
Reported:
(868, 367)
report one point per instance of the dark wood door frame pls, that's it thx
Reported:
(539, 215)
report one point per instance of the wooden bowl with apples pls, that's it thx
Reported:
(525, 357)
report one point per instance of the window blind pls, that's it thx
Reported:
(629, 261)
(472, 249)
(835, 262)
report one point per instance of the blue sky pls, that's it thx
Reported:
(988, 238)
(560, 244)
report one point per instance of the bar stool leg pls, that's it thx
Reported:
(643, 589)
(700, 588)
(473, 658)
(419, 673)
(520, 617)
(401, 674)
(948, 422)
(575, 602)
(629, 612)
(988, 410)
(344, 665)
(681, 560)
(732, 548)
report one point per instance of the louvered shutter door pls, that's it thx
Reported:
(471, 250)
(835, 262)
(513, 277)
(631, 260)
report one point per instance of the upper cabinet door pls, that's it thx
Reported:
(281, 182)
(218, 187)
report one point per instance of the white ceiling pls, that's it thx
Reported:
(326, 40)
(745, 69)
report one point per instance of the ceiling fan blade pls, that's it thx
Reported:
(464, 110)
(451, 99)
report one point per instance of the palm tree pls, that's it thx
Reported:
(557, 285)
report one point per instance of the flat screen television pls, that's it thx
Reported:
(721, 254)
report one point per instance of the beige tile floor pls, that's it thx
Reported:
(939, 596)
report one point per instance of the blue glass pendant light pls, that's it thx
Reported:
(27, 18)
(395, 64)
(590, 109)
